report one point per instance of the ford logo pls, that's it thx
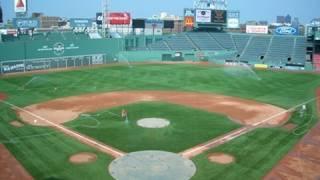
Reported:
(286, 30)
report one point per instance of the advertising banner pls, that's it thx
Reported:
(99, 18)
(203, 16)
(188, 21)
(233, 23)
(219, 16)
(20, 6)
(26, 23)
(154, 24)
(80, 22)
(119, 18)
(138, 23)
(253, 29)
(286, 30)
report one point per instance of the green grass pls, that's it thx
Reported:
(278, 88)
(186, 123)
(255, 153)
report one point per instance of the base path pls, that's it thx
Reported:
(245, 112)
(303, 162)
(10, 168)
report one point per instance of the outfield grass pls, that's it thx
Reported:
(188, 127)
(278, 88)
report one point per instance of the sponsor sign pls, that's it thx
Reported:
(20, 6)
(252, 29)
(219, 16)
(188, 21)
(233, 23)
(119, 18)
(286, 30)
(154, 24)
(58, 48)
(203, 16)
(26, 23)
(80, 22)
(99, 18)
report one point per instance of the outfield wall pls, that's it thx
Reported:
(22, 56)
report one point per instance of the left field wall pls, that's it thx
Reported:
(36, 49)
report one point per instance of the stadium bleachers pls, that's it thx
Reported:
(179, 42)
(204, 41)
(280, 51)
(257, 47)
(224, 40)
(300, 50)
(241, 41)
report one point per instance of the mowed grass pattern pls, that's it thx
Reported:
(278, 88)
(188, 127)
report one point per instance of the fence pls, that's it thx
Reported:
(51, 63)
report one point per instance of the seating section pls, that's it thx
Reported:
(280, 51)
(257, 47)
(159, 46)
(241, 41)
(225, 40)
(204, 41)
(179, 42)
(300, 51)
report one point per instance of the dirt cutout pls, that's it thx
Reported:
(245, 112)
(2, 96)
(10, 168)
(83, 158)
(16, 124)
(221, 158)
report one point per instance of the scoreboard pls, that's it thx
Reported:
(205, 18)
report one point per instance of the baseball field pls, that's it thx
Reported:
(231, 122)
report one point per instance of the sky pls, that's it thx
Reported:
(306, 10)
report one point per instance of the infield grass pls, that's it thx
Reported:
(188, 127)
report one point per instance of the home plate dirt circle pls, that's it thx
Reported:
(153, 123)
(145, 165)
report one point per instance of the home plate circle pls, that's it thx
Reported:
(153, 123)
(146, 165)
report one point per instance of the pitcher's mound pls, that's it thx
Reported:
(145, 165)
(83, 158)
(153, 123)
(221, 158)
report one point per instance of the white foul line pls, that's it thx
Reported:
(245, 130)
(65, 129)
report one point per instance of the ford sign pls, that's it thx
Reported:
(284, 30)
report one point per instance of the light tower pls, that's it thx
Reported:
(105, 14)
(210, 4)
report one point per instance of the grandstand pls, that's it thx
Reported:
(273, 50)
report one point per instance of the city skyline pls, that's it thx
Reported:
(249, 9)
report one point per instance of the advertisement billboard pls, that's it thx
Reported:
(219, 16)
(119, 18)
(80, 22)
(26, 23)
(286, 30)
(253, 29)
(154, 24)
(20, 6)
(203, 16)
(99, 18)
(233, 23)
(1, 16)
(138, 23)
(189, 21)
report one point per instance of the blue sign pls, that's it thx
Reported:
(26, 23)
(81, 22)
(286, 30)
